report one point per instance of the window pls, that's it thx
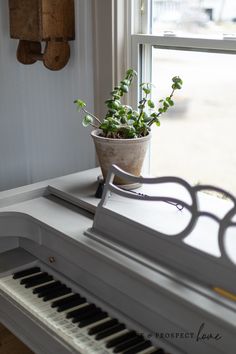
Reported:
(197, 41)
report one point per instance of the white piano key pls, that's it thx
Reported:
(44, 310)
(84, 343)
(112, 336)
(97, 323)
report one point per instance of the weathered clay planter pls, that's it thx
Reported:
(127, 154)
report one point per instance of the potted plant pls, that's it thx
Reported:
(122, 137)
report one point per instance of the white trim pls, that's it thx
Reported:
(102, 48)
(145, 16)
(142, 39)
(148, 41)
(185, 43)
(112, 47)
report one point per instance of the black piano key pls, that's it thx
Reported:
(139, 347)
(128, 344)
(86, 315)
(38, 281)
(108, 332)
(71, 304)
(158, 351)
(34, 277)
(102, 326)
(90, 314)
(59, 292)
(74, 313)
(122, 338)
(51, 290)
(24, 273)
(41, 289)
(95, 318)
(64, 301)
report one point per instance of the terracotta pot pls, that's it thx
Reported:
(128, 154)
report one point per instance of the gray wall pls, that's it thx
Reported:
(40, 132)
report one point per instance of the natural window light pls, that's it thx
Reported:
(197, 41)
(196, 139)
(199, 17)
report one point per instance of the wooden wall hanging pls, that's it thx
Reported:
(50, 21)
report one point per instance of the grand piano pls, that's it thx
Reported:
(145, 270)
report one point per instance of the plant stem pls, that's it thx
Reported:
(92, 115)
(142, 109)
(158, 115)
(93, 125)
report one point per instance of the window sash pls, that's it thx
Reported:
(186, 43)
(140, 38)
(142, 44)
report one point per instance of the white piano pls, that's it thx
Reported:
(151, 270)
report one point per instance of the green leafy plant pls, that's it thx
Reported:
(124, 122)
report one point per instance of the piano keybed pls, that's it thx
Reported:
(83, 325)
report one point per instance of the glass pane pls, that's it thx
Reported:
(197, 137)
(198, 17)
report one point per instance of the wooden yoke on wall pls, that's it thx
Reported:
(51, 21)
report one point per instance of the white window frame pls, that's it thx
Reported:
(112, 46)
(121, 27)
(143, 38)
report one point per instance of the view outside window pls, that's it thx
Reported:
(199, 17)
(197, 137)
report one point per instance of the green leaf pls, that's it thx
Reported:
(116, 96)
(157, 122)
(128, 108)
(123, 120)
(146, 90)
(131, 73)
(177, 79)
(151, 104)
(170, 102)
(177, 83)
(111, 112)
(144, 116)
(104, 125)
(165, 104)
(87, 120)
(125, 82)
(124, 88)
(113, 104)
(80, 104)
(147, 119)
(122, 111)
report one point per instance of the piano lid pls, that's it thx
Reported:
(77, 188)
(172, 223)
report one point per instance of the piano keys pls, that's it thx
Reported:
(84, 326)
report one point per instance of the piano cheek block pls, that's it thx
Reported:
(14, 224)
